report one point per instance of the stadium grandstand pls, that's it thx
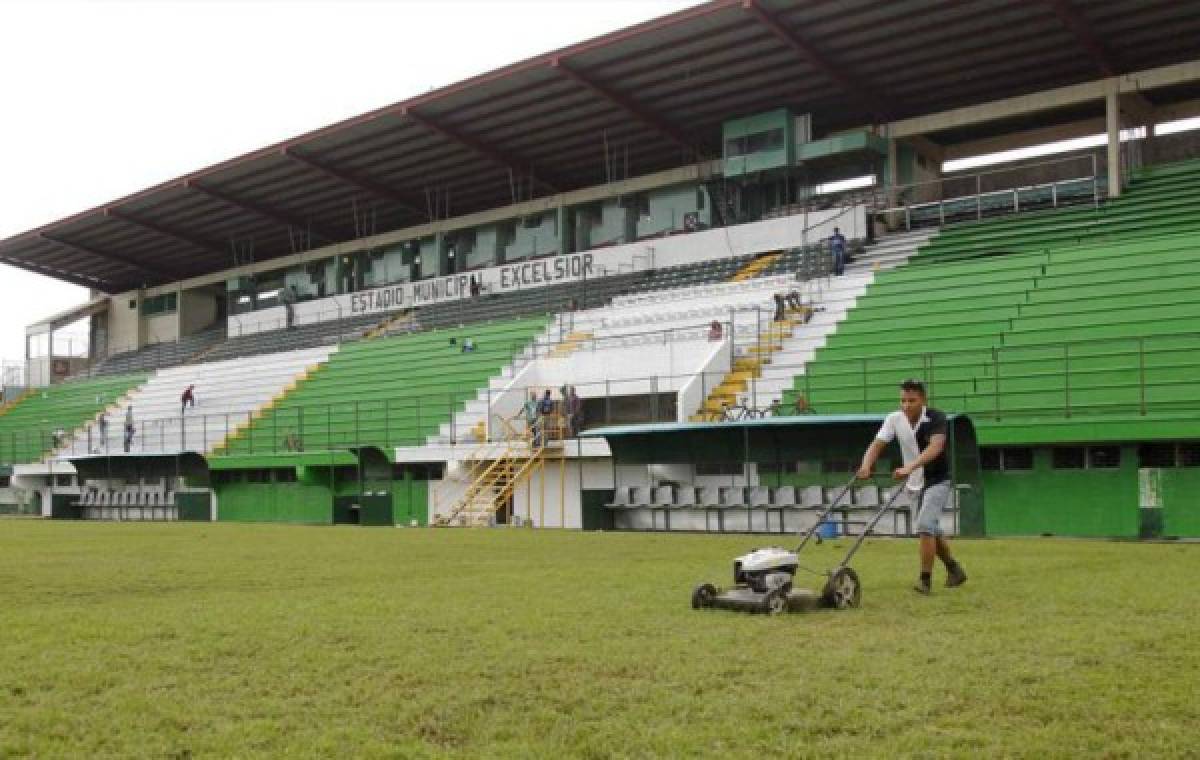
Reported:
(749, 209)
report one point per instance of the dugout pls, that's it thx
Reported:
(142, 487)
(767, 475)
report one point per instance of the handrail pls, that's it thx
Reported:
(378, 420)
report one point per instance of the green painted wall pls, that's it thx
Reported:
(1181, 501)
(1095, 502)
(410, 501)
(539, 240)
(274, 502)
(668, 207)
(759, 160)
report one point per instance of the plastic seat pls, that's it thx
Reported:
(621, 497)
(784, 496)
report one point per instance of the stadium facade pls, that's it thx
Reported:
(364, 310)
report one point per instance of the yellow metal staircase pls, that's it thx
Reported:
(754, 267)
(495, 472)
(389, 322)
(569, 345)
(745, 369)
(8, 404)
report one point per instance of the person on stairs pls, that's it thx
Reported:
(188, 398)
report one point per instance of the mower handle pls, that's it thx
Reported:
(832, 506)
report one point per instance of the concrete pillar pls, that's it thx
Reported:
(1112, 122)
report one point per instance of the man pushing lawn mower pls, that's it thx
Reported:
(921, 435)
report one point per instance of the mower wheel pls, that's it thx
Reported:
(775, 602)
(843, 589)
(703, 596)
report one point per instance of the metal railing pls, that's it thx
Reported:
(999, 386)
(1073, 180)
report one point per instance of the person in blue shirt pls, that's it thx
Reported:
(837, 246)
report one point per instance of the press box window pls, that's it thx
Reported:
(155, 305)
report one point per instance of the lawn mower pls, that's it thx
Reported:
(763, 578)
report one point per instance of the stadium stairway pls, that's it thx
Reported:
(228, 394)
(1040, 318)
(776, 370)
(387, 392)
(28, 427)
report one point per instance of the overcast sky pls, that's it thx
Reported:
(101, 99)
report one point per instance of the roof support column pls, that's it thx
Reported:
(893, 170)
(1112, 123)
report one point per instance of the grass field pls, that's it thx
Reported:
(193, 640)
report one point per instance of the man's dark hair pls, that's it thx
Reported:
(913, 385)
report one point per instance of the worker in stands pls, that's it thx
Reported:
(837, 246)
(188, 398)
(921, 434)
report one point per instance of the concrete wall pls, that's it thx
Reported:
(541, 240)
(197, 310)
(667, 209)
(162, 328)
(124, 323)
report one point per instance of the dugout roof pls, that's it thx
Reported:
(656, 92)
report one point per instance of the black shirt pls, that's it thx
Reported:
(939, 469)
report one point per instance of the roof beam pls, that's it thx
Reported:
(116, 258)
(348, 177)
(505, 160)
(267, 212)
(74, 279)
(1046, 100)
(655, 122)
(165, 231)
(875, 103)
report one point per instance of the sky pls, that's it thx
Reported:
(102, 99)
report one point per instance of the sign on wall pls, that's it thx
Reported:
(656, 253)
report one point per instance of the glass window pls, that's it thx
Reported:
(1189, 454)
(1156, 455)
(1104, 457)
(1018, 458)
(1068, 457)
(989, 458)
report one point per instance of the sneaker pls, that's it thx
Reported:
(955, 576)
(922, 587)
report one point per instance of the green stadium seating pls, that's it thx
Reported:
(387, 392)
(1073, 313)
(27, 426)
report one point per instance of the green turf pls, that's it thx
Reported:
(194, 640)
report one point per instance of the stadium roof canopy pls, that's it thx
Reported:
(655, 94)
